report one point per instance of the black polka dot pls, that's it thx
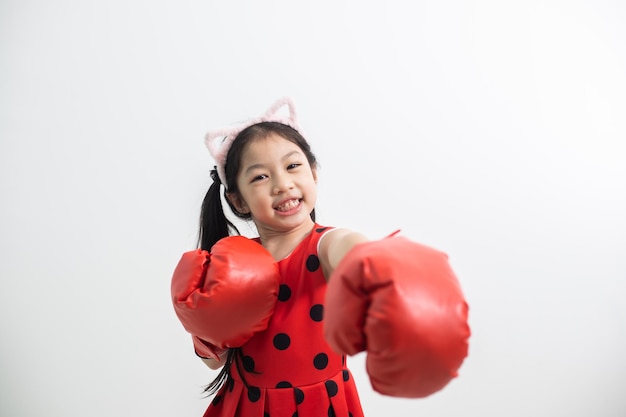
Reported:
(331, 388)
(295, 414)
(299, 395)
(349, 414)
(320, 229)
(216, 400)
(284, 292)
(248, 363)
(254, 394)
(331, 411)
(281, 341)
(312, 263)
(266, 414)
(346, 375)
(317, 312)
(320, 361)
(284, 384)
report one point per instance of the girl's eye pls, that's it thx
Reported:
(292, 166)
(259, 178)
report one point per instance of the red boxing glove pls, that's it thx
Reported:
(222, 298)
(401, 302)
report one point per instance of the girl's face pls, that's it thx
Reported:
(277, 186)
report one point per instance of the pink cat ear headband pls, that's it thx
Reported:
(219, 148)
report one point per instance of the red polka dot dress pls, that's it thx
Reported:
(289, 370)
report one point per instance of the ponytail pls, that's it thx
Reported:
(214, 225)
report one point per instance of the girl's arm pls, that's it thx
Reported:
(397, 297)
(334, 245)
(216, 364)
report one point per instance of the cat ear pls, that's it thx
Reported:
(291, 119)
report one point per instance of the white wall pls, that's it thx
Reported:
(492, 130)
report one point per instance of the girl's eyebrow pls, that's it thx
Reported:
(290, 154)
(261, 165)
(253, 167)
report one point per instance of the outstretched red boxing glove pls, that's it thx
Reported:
(222, 298)
(401, 302)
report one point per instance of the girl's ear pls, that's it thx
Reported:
(314, 171)
(237, 202)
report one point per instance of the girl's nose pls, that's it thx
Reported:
(282, 183)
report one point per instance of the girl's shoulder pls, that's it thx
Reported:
(334, 246)
(324, 236)
(318, 234)
(317, 238)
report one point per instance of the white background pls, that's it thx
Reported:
(492, 130)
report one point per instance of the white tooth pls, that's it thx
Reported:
(288, 205)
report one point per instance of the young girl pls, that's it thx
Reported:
(261, 308)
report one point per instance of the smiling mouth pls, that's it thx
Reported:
(288, 205)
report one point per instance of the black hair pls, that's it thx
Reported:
(215, 225)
